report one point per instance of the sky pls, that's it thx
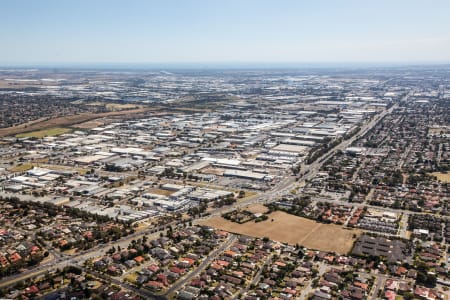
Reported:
(52, 32)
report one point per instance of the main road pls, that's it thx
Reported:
(309, 171)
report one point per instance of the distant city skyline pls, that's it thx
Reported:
(212, 32)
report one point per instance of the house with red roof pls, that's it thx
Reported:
(177, 270)
(31, 291)
(139, 259)
(15, 257)
(390, 295)
(154, 285)
(154, 268)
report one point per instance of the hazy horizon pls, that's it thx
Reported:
(223, 65)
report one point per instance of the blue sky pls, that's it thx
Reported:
(172, 31)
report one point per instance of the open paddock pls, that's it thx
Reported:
(292, 229)
(55, 131)
(444, 177)
(256, 208)
(43, 123)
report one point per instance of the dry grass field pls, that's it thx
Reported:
(21, 167)
(55, 131)
(256, 208)
(117, 106)
(17, 84)
(444, 177)
(114, 106)
(28, 166)
(68, 121)
(161, 192)
(80, 171)
(291, 229)
(92, 124)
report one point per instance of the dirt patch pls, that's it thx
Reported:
(18, 84)
(117, 106)
(291, 229)
(161, 192)
(70, 251)
(21, 167)
(80, 171)
(112, 106)
(90, 124)
(444, 177)
(256, 208)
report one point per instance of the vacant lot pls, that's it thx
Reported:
(113, 106)
(117, 106)
(256, 208)
(131, 277)
(45, 132)
(80, 171)
(444, 177)
(161, 192)
(18, 84)
(92, 124)
(69, 120)
(291, 229)
(21, 167)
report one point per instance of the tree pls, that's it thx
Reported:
(431, 280)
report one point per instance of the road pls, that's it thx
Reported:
(196, 272)
(256, 278)
(402, 231)
(322, 268)
(145, 294)
(377, 286)
(77, 259)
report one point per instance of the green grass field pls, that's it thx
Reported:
(55, 131)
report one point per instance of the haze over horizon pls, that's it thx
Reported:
(51, 32)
